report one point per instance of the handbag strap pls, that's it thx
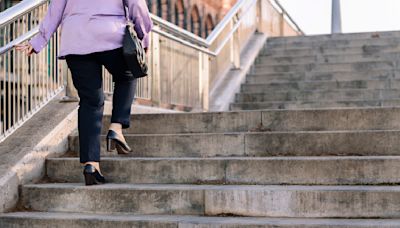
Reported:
(125, 8)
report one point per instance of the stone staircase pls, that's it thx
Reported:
(302, 168)
(355, 70)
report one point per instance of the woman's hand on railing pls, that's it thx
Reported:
(26, 47)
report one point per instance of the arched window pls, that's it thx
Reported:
(209, 25)
(160, 8)
(180, 14)
(195, 25)
(164, 9)
(150, 5)
(167, 10)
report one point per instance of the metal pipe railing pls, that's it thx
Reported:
(11, 14)
(287, 16)
(26, 83)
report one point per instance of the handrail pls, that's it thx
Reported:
(19, 40)
(184, 42)
(232, 32)
(19, 9)
(284, 12)
(222, 24)
(176, 30)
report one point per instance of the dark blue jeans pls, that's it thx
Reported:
(87, 78)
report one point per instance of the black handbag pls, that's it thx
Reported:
(133, 51)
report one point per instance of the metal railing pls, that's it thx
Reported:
(26, 83)
(183, 66)
(285, 17)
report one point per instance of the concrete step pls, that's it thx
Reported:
(327, 67)
(335, 43)
(211, 200)
(334, 37)
(203, 122)
(318, 95)
(271, 120)
(351, 58)
(320, 85)
(84, 220)
(314, 104)
(237, 170)
(262, 78)
(261, 144)
(320, 52)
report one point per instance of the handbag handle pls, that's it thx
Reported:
(125, 8)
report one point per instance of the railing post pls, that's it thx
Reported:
(235, 45)
(71, 94)
(155, 68)
(261, 16)
(282, 24)
(204, 81)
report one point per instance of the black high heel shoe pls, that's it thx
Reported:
(116, 142)
(92, 175)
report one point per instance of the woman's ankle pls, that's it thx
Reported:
(117, 127)
(95, 164)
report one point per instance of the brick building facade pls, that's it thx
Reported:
(197, 16)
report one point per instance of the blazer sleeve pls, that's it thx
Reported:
(49, 24)
(140, 16)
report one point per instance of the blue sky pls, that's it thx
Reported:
(314, 16)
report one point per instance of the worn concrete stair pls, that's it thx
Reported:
(214, 200)
(348, 70)
(369, 170)
(177, 183)
(337, 167)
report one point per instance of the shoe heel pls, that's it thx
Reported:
(121, 149)
(111, 145)
(90, 179)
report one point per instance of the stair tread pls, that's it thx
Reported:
(253, 132)
(198, 219)
(194, 187)
(301, 158)
(305, 101)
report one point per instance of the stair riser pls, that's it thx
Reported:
(319, 85)
(264, 144)
(190, 122)
(368, 50)
(314, 105)
(322, 68)
(331, 76)
(324, 171)
(134, 201)
(80, 223)
(314, 144)
(334, 59)
(338, 95)
(355, 119)
(334, 44)
(84, 221)
(243, 201)
(335, 37)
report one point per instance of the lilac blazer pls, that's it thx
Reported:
(89, 26)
